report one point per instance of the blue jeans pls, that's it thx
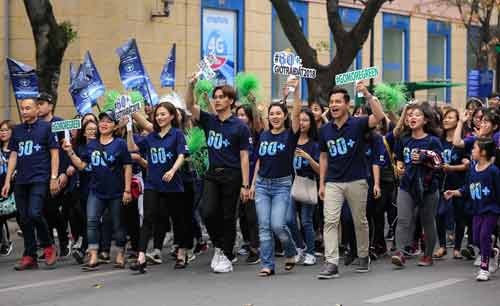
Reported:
(272, 201)
(30, 199)
(306, 213)
(95, 210)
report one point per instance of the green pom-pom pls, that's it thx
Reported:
(197, 146)
(201, 88)
(392, 97)
(246, 84)
(136, 97)
(110, 98)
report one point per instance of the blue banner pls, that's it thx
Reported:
(219, 39)
(96, 86)
(72, 73)
(167, 77)
(148, 92)
(132, 73)
(24, 79)
(480, 83)
(80, 94)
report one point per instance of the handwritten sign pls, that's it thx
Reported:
(124, 107)
(356, 75)
(287, 63)
(205, 67)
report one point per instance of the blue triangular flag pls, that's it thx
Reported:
(24, 79)
(167, 77)
(148, 92)
(96, 87)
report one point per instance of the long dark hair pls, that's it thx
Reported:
(312, 133)
(284, 109)
(433, 124)
(249, 113)
(171, 110)
(80, 138)
(10, 125)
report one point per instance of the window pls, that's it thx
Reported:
(438, 58)
(395, 48)
(280, 42)
(222, 35)
(349, 18)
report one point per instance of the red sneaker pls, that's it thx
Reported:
(26, 263)
(425, 261)
(398, 259)
(50, 255)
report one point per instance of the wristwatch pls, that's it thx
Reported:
(245, 186)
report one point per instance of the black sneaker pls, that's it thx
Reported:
(468, 253)
(364, 265)
(253, 258)
(328, 271)
(78, 255)
(6, 249)
(349, 259)
(64, 251)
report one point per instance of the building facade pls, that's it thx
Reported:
(412, 42)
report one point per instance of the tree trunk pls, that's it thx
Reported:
(51, 41)
(351, 43)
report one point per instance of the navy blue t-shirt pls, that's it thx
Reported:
(225, 140)
(405, 146)
(345, 148)
(276, 153)
(303, 166)
(161, 153)
(85, 174)
(482, 188)
(107, 179)
(4, 163)
(33, 142)
(453, 156)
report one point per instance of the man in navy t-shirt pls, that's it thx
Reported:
(228, 175)
(56, 204)
(343, 175)
(35, 157)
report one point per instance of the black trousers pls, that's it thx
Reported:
(131, 222)
(158, 206)
(249, 224)
(222, 189)
(56, 212)
(182, 215)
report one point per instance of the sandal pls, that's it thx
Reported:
(290, 265)
(139, 267)
(440, 253)
(89, 267)
(181, 263)
(457, 255)
(265, 273)
(119, 265)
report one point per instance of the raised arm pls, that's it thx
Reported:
(131, 145)
(190, 105)
(458, 142)
(297, 104)
(142, 122)
(75, 160)
(377, 111)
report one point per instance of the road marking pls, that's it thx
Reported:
(413, 291)
(60, 281)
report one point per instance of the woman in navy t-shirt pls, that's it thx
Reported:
(109, 185)
(165, 149)
(418, 156)
(305, 164)
(6, 127)
(272, 184)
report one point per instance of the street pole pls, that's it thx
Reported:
(372, 48)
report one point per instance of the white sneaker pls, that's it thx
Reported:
(216, 258)
(299, 258)
(477, 261)
(483, 275)
(493, 266)
(224, 265)
(154, 257)
(309, 260)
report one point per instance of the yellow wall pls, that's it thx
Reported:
(103, 25)
(458, 64)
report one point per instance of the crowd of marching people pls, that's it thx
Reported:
(309, 183)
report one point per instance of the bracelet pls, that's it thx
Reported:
(71, 153)
(245, 186)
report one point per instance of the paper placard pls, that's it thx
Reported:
(287, 63)
(356, 75)
(205, 67)
(66, 125)
(124, 107)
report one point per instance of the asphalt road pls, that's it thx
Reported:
(448, 282)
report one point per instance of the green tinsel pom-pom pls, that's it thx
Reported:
(110, 98)
(201, 88)
(196, 142)
(136, 97)
(246, 84)
(392, 97)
